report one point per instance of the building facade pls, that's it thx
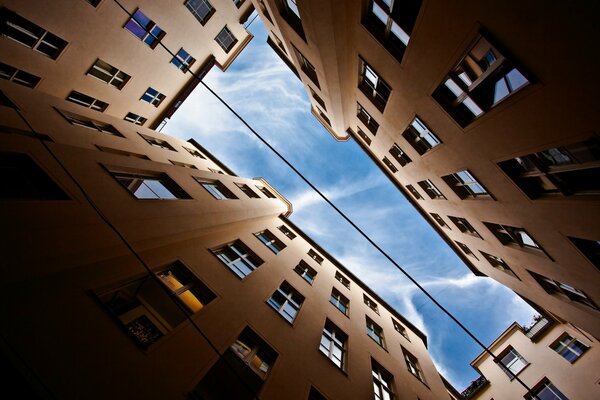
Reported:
(555, 360)
(139, 266)
(483, 115)
(132, 60)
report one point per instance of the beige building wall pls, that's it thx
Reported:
(557, 109)
(64, 259)
(98, 32)
(576, 377)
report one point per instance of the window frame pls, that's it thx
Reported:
(271, 241)
(336, 340)
(152, 35)
(506, 367)
(193, 9)
(372, 85)
(287, 293)
(337, 299)
(463, 183)
(562, 346)
(306, 272)
(113, 76)
(420, 136)
(216, 188)
(375, 332)
(227, 41)
(242, 254)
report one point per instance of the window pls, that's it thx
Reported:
(370, 303)
(464, 226)
(286, 301)
(481, 80)
(305, 271)
(342, 279)
(238, 258)
(420, 137)
(217, 189)
(371, 84)
(392, 23)
(307, 68)
(216, 171)
(382, 382)
(389, 164)
(144, 309)
(440, 221)
(511, 362)
(248, 191)
(238, 3)
(287, 232)
(186, 287)
(313, 254)
(289, 11)
(511, 236)
(340, 301)
(6, 102)
(201, 9)
(156, 142)
(18, 76)
(278, 41)
(363, 136)
(399, 155)
(414, 192)
(466, 249)
(545, 390)
(85, 122)
(225, 39)
(498, 263)
(314, 394)
(194, 152)
(122, 152)
(569, 347)
(135, 119)
(23, 179)
(432, 191)
(589, 248)
(87, 101)
(270, 240)
(153, 97)
(366, 118)
(150, 186)
(413, 365)
(264, 10)
(109, 74)
(400, 329)
(255, 353)
(323, 116)
(375, 332)
(145, 29)
(568, 170)
(30, 35)
(464, 184)
(317, 98)
(94, 2)
(183, 60)
(266, 192)
(563, 290)
(333, 344)
(184, 165)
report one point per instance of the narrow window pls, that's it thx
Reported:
(399, 155)
(313, 254)
(286, 301)
(440, 221)
(135, 119)
(414, 192)
(413, 365)
(564, 290)
(464, 184)
(305, 271)
(372, 86)
(238, 258)
(270, 240)
(432, 191)
(511, 362)
(366, 118)
(248, 191)
(287, 232)
(186, 287)
(420, 137)
(383, 382)
(184, 165)
(217, 189)
(464, 226)
(150, 186)
(333, 344)
(375, 332)
(389, 164)
(225, 39)
(400, 329)
(183, 60)
(153, 97)
(465, 249)
(569, 347)
(156, 142)
(238, 3)
(340, 301)
(144, 29)
(266, 192)
(290, 13)
(194, 152)
(513, 236)
(23, 179)
(202, 10)
(363, 136)
(498, 263)
(109, 74)
(342, 279)
(307, 68)
(317, 98)
(87, 101)
(122, 152)
(18, 76)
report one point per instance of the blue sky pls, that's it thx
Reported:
(266, 93)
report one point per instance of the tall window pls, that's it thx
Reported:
(183, 60)
(266, 192)
(545, 390)
(382, 382)
(440, 221)
(400, 329)
(18, 76)
(305, 271)
(186, 287)
(511, 361)
(414, 192)
(238, 258)
(464, 226)
(270, 240)
(589, 248)
(156, 142)
(287, 232)
(392, 23)
(150, 186)
(370, 303)
(333, 344)
(135, 119)
(286, 301)
(567, 170)
(25, 32)
(109, 74)
(289, 11)
(432, 191)
(87, 101)
(217, 189)
(464, 184)
(248, 191)
(313, 254)
(85, 122)
(256, 354)
(342, 279)
(363, 116)
(420, 137)
(512, 236)
(499, 264)
(360, 133)
(564, 290)
(481, 80)
(399, 155)
(307, 68)
(317, 98)
(371, 84)
(153, 97)
(465, 249)
(569, 347)
(386, 161)
(201, 9)
(225, 39)
(23, 179)
(340, 301)
(145, 29)
(375, 332)
(413, 365)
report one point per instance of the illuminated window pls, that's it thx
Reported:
(186, 287)
(255, 353)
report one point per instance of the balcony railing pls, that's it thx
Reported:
(538, 327)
